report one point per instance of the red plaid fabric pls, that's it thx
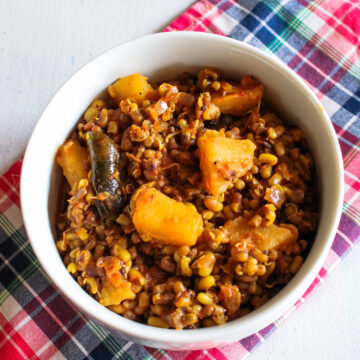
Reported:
(320, 41)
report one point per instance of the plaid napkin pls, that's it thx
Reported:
(320, 41)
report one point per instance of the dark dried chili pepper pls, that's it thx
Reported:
(106, 174)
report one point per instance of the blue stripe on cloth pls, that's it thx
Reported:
(262, 11)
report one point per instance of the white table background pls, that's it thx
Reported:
(42, 43)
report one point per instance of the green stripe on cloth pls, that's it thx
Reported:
(23, 246)
(297, 24)
(19, 279)
(293, 23)
(352, 213)
(351, 155)
(150, 357)
(109, 341)
(19, 240)
(156, 355)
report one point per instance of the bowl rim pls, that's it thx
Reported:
(253, 321)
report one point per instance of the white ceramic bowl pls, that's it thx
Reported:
(163, 56)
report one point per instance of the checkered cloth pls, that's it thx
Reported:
(320, 41)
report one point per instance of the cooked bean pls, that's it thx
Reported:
(255, 221)
(295, 264)
(167, 264)
(240, 184)
(266, 171)
(204, 298)
(213, 204)
(248, 279)
(206, 282)
(268, 159)
(179, 287)
(279, 149)
(157, 322)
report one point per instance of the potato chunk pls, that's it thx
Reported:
(73, 159)
(158, 218)
(239, 100)
(111, 295)
(131, 86)
(222, 160)
(264, 238)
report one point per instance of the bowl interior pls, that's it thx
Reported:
(164, 56)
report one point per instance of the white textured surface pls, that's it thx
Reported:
(42, 43)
